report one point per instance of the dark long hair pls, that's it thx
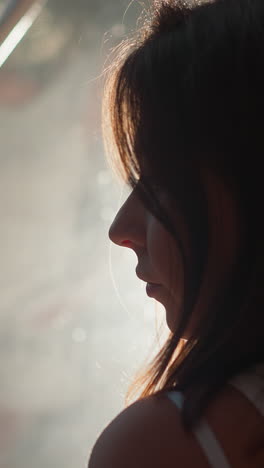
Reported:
(184, 95)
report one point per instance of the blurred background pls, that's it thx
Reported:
(75, 321)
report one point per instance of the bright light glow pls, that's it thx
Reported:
(19, 31)
(79, 335)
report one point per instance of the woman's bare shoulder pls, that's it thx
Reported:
(147, 434)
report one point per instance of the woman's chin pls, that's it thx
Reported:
(172, 316)
(171, 320)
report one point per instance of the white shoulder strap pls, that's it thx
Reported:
(205, 436)
(251, 384)
(211, 446)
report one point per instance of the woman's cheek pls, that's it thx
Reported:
(162, 252)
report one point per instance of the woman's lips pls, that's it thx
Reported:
(152, 289)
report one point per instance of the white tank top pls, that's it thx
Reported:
(251, 384)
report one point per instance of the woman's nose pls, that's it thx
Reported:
(118, 236)
(127, 228)
(121, 232)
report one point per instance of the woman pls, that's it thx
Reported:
(185, 103)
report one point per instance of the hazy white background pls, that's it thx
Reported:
(75, 321)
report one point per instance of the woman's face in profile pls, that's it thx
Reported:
(159, 258)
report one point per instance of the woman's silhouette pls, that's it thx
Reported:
(184, 104)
